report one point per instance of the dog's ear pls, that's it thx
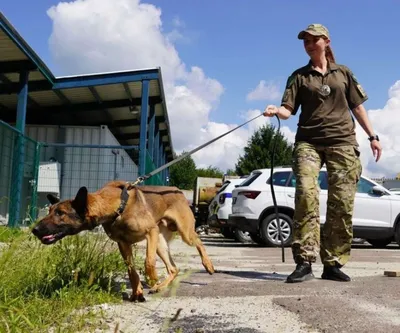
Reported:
(52, 198)
(80, 201)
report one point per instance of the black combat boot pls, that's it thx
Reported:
(334, 273)
(302, 273)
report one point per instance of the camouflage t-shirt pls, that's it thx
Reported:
(325, 101)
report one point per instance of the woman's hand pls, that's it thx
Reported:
(376, 149)
(270, 111)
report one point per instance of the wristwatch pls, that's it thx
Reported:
(373, 137)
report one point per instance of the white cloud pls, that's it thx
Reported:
(103, 35)
(224, 152)
(176, 34)
(386, 123)
(111, 35)
(177, 22)
(228, 148)
(205, 87)
(264, 91)
(257, 123)
(288, 133)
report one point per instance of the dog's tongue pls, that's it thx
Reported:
(49, 237)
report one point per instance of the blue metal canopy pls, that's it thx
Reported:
(130, 103)
(118, 100)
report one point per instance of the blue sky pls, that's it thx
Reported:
(240, 43)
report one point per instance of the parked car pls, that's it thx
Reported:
(376, 210)
(395, 190)
(220, 208)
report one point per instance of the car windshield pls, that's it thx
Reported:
(224, 186)
(251, 179)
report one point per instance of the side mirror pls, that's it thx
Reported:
(378, 190)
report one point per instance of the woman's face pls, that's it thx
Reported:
(315, 45)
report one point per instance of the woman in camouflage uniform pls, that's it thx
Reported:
(325, 91)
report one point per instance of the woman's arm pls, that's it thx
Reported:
(361, 115)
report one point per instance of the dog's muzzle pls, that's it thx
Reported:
(47, 238)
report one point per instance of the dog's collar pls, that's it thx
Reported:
(124, 200)
(118, 212)
(95, 222)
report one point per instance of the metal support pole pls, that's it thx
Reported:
(34, 184)
(164, 161)
(151, 131)
(156, 153)
(143, 127)
(17, 175)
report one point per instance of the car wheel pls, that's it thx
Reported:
(380, 243)
(269, 230)
(397, 234)
(242, 236)
(228, 233)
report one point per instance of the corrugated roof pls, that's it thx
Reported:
(8, 50)
(111, 99)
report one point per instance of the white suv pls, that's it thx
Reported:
(221, 206)
(376, 215)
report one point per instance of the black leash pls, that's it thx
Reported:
(273, 192)
(152, 173)
(125, 195)
(129, 185)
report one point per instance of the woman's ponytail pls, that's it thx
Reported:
(329, 54)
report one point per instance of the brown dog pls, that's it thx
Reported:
(151, 212)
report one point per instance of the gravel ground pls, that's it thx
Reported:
(248, 294)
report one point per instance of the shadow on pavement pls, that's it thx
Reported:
(220, 241)
(255, 275)
(367, 246)
(232, 244)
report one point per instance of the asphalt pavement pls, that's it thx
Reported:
(248, 294)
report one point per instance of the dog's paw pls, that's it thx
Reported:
(209, 268)
(154, 290)
(139, 298)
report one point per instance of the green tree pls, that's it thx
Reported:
(210, 171)
(183, 173)
(231, 172)
(258, 152)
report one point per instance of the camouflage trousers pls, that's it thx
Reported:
(332, 240)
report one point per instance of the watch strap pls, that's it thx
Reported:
(373, 137)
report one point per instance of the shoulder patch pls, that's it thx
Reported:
(361, 90)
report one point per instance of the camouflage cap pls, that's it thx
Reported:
(315, 29)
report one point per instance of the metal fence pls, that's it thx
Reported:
(64, 168)
(156, 179)
(57, 168)
(18, 156)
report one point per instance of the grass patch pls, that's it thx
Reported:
(43, 287)
(8, 234)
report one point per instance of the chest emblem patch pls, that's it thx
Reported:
(325, 90)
